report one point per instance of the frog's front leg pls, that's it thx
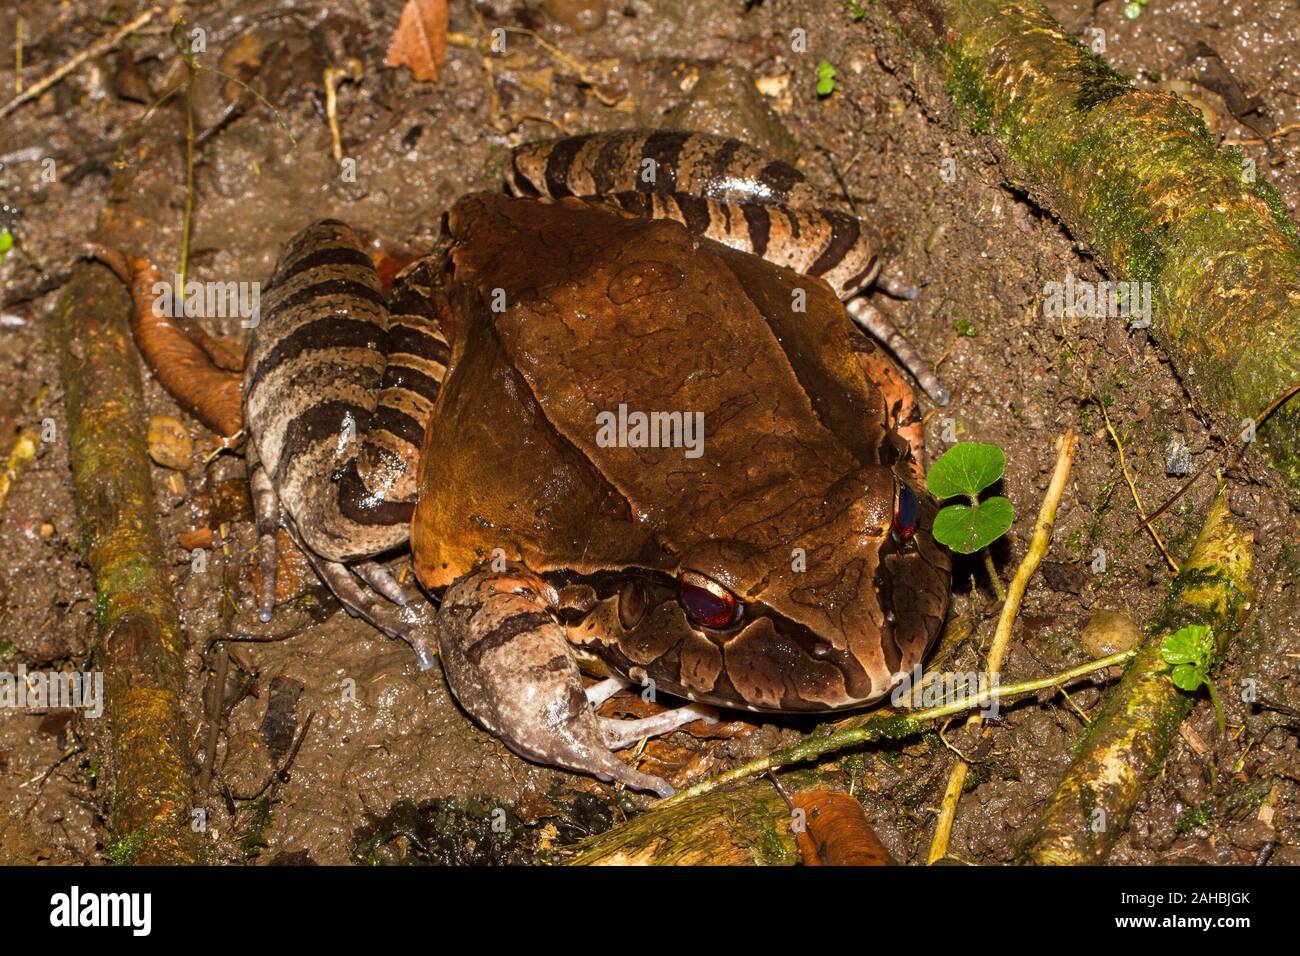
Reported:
(508, 662)
(337, 391)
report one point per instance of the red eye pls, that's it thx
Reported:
(906, 514)
(707, 603)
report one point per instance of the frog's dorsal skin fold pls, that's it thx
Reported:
(752, 558)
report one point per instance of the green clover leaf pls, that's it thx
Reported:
(967, 528)
(966, 469)
(825, 78)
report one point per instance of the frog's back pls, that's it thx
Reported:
(599, 318)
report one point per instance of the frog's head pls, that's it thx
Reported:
(825, 605)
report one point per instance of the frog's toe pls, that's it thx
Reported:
(600, 692)
(266, 512)
(896, 288)
(378, 577)
(624, 733)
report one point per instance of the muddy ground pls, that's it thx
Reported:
(381, 732)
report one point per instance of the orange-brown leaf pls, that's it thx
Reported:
(835, 831)
(420, 40)
(211, 394)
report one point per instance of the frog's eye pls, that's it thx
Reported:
(906, 514)
(706, 602)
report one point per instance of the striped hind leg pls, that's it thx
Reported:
(315, 387)
(727, 191)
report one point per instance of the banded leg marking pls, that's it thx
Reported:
(727, 191)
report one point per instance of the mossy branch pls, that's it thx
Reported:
(1127, 741)
(1137, 176)
(140, 643)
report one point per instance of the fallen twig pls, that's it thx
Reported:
(98, 48)
(1038, 545)
(888, 726)
(1137, 500)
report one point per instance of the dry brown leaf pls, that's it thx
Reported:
(420, 40)
(680, 766)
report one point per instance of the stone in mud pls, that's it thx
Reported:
(169, 443)
(725, 101)
(578, 15)
(1109, 632)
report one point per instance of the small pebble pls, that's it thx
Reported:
(1178, 458)
(579, 15)
(46, 530)
(169, 443)
(1109, 632)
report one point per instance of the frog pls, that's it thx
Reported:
(627, 426)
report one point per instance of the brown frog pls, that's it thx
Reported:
(613, 440)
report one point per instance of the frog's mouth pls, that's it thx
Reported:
(637, 623)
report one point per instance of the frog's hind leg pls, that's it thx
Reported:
(337, 391)
(508, 663)
(883, 329)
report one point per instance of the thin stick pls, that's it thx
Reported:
(1066, 446)
(333, 74)
(18, 55)
(187, 224)
(891, 726)
(99, 47)
(994, 578)
(1213, 462)
(1137, 502)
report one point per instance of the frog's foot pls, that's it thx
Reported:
(882, 328)
(508, 662)
(408, 621)
(624, 733)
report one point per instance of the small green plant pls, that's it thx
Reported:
(6, 243)
(1190, 652)
(1133, 9)
(857, 10)
(964, 471)
(825, 78)
(966, 328)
